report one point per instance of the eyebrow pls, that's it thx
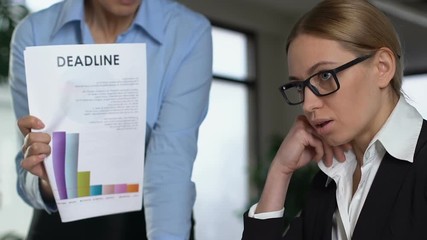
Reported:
(311, 69)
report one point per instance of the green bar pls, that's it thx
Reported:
(83, 184)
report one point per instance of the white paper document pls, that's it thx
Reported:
(92, 100)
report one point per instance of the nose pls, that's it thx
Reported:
(311, 101)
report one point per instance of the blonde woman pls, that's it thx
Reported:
(345, 70)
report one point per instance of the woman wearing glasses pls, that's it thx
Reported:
(345, 68)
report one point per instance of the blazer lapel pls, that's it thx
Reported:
(320, 208)
(381, 198)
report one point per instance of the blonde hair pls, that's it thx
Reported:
(358, 25)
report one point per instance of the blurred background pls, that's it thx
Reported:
(247, 117)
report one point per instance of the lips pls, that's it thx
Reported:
(323, 126)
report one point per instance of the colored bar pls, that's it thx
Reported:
(58, 158)
(83, 184)
(133, 188)
(96, 190)
(120, 188)
(107, 189)
(71, 160)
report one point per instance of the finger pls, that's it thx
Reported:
(329, 152)
(34, 164)
(310, 140)
(38, 137)
(329, 155)
(25, 124)
(339, 153)
(37, 149)
(317, 147)
(36, 143)
(316, 142)
(40, 172)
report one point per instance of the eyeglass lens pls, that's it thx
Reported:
(322, 83)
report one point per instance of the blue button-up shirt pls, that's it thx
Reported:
(179, 70)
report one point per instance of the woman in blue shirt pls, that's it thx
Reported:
(179, 66)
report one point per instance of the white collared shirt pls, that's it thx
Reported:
(398, 137)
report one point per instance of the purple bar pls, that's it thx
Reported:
(120, 188)
(58, 157)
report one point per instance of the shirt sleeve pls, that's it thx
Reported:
(265, 215)
(169, 193)
(267, 225)
(27, 184)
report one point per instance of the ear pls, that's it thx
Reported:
(385, 65)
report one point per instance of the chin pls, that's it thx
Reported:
(125, 11)
(335, 142)
(130, 2)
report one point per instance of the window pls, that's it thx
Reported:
(222, 166)
(36, 5)
(231, 54)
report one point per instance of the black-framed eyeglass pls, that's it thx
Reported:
(321, 83)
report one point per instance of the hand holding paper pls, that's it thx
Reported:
(35, 149)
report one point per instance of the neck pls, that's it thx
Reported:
(361, 143)
(104, 25)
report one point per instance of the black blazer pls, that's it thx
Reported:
(395, 208)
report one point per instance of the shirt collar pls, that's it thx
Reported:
(399, 134)
(70, 11)
(150, 17)
(339, 169)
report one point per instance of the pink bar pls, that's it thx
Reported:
(120, 188)
(107, 189)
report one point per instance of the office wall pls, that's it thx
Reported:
(271, 29)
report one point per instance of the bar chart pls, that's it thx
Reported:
(72, 183)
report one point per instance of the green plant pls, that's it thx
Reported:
(298, 186)
(10, 15)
